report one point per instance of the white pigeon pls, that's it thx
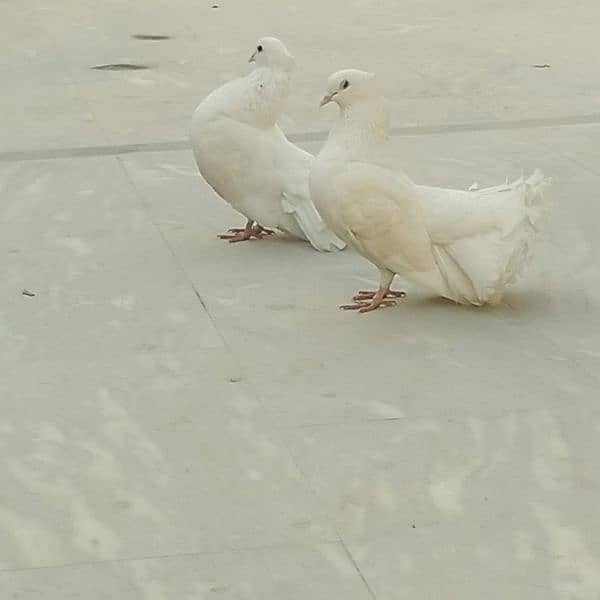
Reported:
(245, 157)
(466, 246)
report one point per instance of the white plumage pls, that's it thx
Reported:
(463, 245)
(245, 157)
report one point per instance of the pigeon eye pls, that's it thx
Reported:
(259, 48)
(345, 84)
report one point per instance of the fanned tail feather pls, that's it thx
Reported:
(477, 269)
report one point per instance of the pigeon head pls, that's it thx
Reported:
(348, 87)
(271, 52)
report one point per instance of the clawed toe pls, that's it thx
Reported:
(356, 306)
(243, 234)
(234, 237)
(369, 295)
(258, 231)
(363, 307)
(367, 300)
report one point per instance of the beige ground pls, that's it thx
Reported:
(183, 419)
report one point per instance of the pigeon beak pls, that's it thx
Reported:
(328, 98)
(253, 57)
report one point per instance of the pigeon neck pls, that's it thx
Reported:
(371, 114)
(362, 129)
(272, 87)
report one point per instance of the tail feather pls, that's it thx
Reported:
(300, 217)
(478, 268)
(306, 217)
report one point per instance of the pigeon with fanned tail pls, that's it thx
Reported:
(245, 157)
(467, 246)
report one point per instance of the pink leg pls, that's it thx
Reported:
(378, 299)
(368, 295)
(259, 232)
(237, 234)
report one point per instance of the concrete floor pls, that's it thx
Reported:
(183, 419)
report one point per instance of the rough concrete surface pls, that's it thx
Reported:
(184, 419)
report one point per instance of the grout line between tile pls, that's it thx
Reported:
(307, 137)
(360, 573)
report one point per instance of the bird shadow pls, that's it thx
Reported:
(532, 302)
(515, 303)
